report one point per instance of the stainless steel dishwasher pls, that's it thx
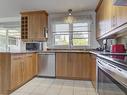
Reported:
(46, 64)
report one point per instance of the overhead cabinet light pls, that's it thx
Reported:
(120, 2)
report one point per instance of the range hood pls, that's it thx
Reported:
(120, 2)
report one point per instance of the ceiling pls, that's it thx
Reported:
(12, 8)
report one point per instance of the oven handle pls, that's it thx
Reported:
(113, 68)
(115, 72)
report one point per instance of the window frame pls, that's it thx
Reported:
(70, 33)
(8, 38)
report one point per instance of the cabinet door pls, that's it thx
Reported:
(37, 26)
(100, 21)
(121, 15)
(80, 65)
(26, 68)
(73, 65)
(16, 71)
(43, 25)
(104, 18)
(99, 16)
(29, 67)
(86, 66)
(114, 17)
(93, 69)
(76, 65)
(61, 64)
(34, 26)
(107, 15)
(34, 65)
(97, 24)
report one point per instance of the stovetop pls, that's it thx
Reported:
(120, 58)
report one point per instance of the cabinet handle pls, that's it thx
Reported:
(113, 21)
(43, 32)
(22, 66)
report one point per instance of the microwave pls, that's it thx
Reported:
(34, 46)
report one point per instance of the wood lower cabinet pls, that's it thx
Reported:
(93, 69)
(72, 66)
(61, 64)
(28, 67)
(5, 73)
(16, 71)
(23, 68)
(80, 65)
(86, 69)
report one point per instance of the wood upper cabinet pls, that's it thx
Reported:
(119, 16)
(114, 17)
(100, 20)
(103, 17)
(93, 69)
(98, 33)
(109, 17)
(72, 65)
(121, 12)
(34, 25)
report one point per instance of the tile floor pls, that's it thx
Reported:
(46, 86)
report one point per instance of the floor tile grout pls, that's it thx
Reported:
(58, 86)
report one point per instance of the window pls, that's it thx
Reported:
(80, 34)
(61, 34)
(10, 39)
(76, 34)
(13, 36)
(2, 40)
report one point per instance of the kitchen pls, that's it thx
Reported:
(79, 49)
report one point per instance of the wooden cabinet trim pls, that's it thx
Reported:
(98, 5)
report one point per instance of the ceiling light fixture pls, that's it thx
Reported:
(69, 19)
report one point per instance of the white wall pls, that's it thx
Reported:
(93, 43)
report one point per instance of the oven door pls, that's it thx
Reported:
(107, 85)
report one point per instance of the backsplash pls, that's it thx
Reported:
(118, 40)
(122, 40)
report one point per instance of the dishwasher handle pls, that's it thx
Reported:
(46, 53)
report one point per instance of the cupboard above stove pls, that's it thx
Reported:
(110, 19)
